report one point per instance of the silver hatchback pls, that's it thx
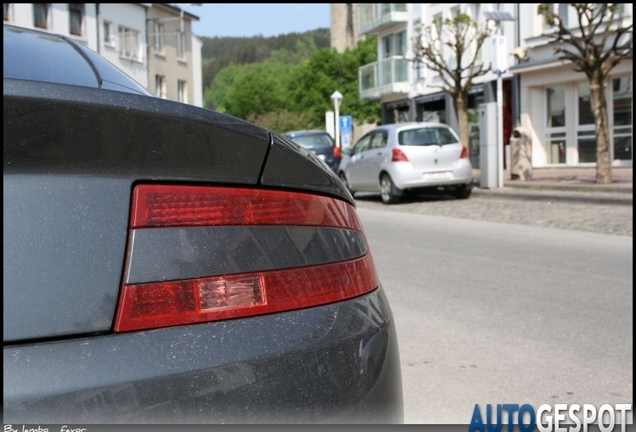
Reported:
(393, 159)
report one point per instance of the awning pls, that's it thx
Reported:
(399, 104)
(430, 98)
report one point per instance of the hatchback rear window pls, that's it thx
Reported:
(314, 141)
(431, 135)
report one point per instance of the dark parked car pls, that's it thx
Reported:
(154, 273)
(320, 143)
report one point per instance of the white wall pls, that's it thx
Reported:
(197, 73)
(21, 14)
(132, 16)
(426, 12)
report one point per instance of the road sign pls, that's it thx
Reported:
(345, 125)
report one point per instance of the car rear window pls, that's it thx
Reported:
(38, 56)
(314, 141)
(430, 135)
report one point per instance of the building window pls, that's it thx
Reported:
(5, 11)
(586, 131)
(394, 44)
(555, 133)
(129, 43)
(181, 46)
(158, 38)
(182, 91)
(41, 15)
(622, 113)
(76, 17)
(160, 86)
(108, 34)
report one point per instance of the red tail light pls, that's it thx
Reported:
(464, 153)
(398, 155)
(154, 304)
(336, 151)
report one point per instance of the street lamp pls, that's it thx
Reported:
(337, 98)
(500, 67)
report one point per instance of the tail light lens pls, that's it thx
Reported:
(464, 154)
(398, 155)
(336, 151)
(158, 303)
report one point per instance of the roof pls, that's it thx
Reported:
(176, 10)
(305, 132)
(396, 126)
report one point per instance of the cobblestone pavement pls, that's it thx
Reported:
(606, 214)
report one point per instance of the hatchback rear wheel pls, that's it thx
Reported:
(390, 194)
(462, 192)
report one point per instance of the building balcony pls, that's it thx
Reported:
(384, 77)
(376, 16)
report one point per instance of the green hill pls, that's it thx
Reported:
(219, 52)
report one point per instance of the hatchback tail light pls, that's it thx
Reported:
(464, 153)
(398, 155)
(180, 215)
(336, 151)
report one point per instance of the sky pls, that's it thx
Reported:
(244, 19)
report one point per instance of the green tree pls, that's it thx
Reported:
(219, 53)
(311, 84)
(451, 48)
(595, 45)
(257, 89)
(283, 121)
(215, 96)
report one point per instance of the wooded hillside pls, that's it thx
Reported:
(219, 52)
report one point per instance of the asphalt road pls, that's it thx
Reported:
(494, 313)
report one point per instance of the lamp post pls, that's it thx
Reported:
(500, 67)
(337, 98)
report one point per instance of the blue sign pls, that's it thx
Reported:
(345, 125)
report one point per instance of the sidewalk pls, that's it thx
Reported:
(566, 183)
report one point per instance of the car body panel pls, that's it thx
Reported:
(293, 166)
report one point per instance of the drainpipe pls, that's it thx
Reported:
(516, 79)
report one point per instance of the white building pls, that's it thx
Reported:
(555, 104)
(122, 37)
(540, 93)
(411, 94)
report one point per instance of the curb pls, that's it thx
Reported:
(572, 188)
(540, 193)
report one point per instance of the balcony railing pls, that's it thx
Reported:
(390, 75)
(373, 16)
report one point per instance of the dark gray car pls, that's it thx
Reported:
(155, 274)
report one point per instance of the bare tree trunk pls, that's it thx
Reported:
(461, 101)
(599, 106)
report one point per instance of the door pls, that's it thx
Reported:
(375, 157)
(355, 168)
